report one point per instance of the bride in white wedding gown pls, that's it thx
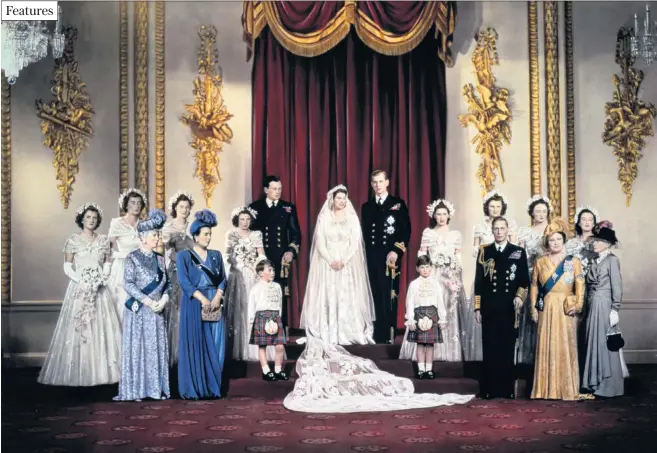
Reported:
(338, 309)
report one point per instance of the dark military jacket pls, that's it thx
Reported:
(386, 228)
(280, 228)
(500, 277)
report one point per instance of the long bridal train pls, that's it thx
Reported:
(330, 378)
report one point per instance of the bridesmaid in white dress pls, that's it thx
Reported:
(494, 205)
(175, 239)
(443, 246)
(124, 239)
(530, 238)
(86, 347)
(244, 249)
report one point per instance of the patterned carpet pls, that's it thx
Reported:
(252, 419)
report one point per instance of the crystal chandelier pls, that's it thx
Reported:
(644, 45)
(26, 41)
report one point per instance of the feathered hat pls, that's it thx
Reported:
(557, 225)
(155, 221)
(204, 218)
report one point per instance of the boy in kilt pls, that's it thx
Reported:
(425, 316)
(265, 304)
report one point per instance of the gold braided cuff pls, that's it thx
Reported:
(401, 246)
(477, 302)
(294, 246)
(521, 293)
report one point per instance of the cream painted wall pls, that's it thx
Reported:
(182, 25)
(40, 224)
(38, 217)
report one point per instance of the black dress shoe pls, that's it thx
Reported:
(282, 376)
(511, 396)
(429, 375)
(419, 375)
(487, 396)
(270, 376)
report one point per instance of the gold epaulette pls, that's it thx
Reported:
(477, 302)
(401, 246)
(521, 293)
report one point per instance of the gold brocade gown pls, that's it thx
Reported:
(556, 369)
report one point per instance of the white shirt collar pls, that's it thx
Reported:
(501, 246)
(270, 202)
(602, 256)
(382, 198)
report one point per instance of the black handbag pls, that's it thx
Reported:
(614, 340)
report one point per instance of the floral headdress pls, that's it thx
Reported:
(493, 193)
(86, 206)
(335, 189)
(579, 210)
(176, 196)
(432, 207)
(129, 192)
(540, 198)
(237, 211)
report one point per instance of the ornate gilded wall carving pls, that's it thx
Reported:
(123, 98)
(66, 121)
(534, 99)
(629, 119)
(570, 114)
(488, 111)
(159, 106)
(5, 246)
(208, 117)
(552, 105)
(141, 96)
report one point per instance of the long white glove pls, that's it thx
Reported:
(70, 272)
(150, 303)
(475, 251)
(107, 268)
(159, 305)
(613, 318)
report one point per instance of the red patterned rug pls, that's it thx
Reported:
(40, 419)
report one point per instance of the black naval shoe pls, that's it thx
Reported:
(282, 376)
(487, 396)
(270, 376)
(419, 375)
(511, 396)
(429, 375)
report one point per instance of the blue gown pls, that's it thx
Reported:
(201, 345)
(145, 357)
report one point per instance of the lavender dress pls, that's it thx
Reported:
(145, 360)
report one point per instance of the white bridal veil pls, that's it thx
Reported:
(330, 379)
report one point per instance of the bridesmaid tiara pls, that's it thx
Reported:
(493, 193)
(237, 211)
(536, 198)
(432, 207)
(86, 206)
(579, 210)
(128, 192)
(176, 197)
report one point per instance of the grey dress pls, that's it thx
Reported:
(603, 373)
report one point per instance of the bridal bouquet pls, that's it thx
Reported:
(91, 278)
(442, 260)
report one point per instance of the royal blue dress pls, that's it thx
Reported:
(201, 344)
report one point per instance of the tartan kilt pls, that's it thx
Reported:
(430, 336)
(258, 334)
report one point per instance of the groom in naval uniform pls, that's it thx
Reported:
(277, 221)
(501, 284)
(386, 231)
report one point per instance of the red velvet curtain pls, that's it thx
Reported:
(334, 118)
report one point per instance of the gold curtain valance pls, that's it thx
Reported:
(441, 14)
